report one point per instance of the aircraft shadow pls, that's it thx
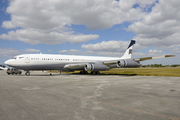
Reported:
(102, 74)
(66, 74)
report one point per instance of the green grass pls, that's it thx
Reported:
(145, 71)
(175, 72)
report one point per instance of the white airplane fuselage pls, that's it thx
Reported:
(53, 62)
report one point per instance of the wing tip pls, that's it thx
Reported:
(170, 55)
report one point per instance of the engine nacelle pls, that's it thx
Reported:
(121, 63)
(96, 67)
(127, 63)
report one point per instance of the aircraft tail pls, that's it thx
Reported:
(128, 53)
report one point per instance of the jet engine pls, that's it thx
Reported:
(127, 63)
(96, 67)
(121, 63)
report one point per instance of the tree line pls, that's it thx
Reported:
(160, 65)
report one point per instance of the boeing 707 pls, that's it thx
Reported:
(28, 62)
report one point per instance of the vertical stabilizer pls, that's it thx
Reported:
(128, 53)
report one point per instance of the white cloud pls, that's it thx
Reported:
(9, 52)
(90, 53)
(154, 51)
(99, 53)
(51, 14)
(127, 4)
(107, 46)
(32, 50)
(110, 46)
(139, 54)
(175, 50)
(63, 51)
(49, 21)
(71, 52)
(160, 27)
(34, 37)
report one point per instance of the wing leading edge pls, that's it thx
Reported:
(156, 57)
(74, 66)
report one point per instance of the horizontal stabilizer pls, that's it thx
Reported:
(156, 57)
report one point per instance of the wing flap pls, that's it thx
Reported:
(74, 66)
(110, 62)
(156, 57)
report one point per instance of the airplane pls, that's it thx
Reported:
(72, 63)
(3, 67)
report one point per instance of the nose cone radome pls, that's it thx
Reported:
(8, 62)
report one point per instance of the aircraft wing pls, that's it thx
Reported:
(136, 59)
(110, 62)
(120, 62)
(148, 58)
(74, 66)
(1, 68)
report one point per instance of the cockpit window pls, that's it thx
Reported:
(14, 57)
(21, 57)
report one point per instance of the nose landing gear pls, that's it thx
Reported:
(27, 73)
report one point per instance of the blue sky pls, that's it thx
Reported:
(97, 28)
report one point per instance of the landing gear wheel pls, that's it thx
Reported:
(27, 73)
(83, 72)
(95, 72)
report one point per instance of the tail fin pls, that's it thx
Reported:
(128, 53)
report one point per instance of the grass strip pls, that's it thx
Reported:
(174, 72)
(145, 71)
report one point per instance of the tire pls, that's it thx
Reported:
(93, 72)
(97, 72)
(83, 72)
(27, 73)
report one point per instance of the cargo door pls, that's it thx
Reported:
(27, 59)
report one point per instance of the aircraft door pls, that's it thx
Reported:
(27, 59)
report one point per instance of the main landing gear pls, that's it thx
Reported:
(95, 72)
(92, 72)
(27, 73)
(83, 72)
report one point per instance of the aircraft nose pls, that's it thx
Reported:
(7, 62)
